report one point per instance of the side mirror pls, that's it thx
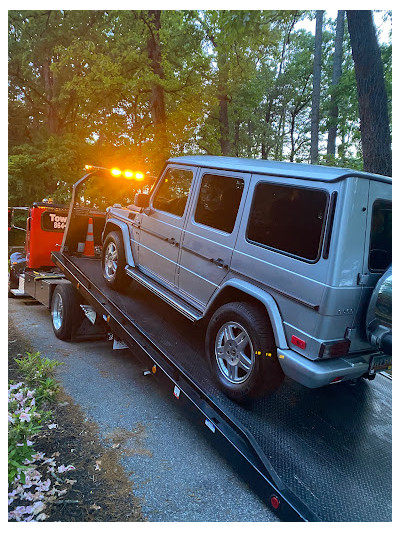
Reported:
(141, 200)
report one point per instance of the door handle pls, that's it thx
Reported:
(219, 262)
(172, 241)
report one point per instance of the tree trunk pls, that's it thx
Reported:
(336, 74)
(157, 98)
(292, 140)
(52, 120)
(371, 91)
(316, 94)
(223, 104)
(237, 137)
(266, 145)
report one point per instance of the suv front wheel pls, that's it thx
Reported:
(241, 351)
(113, 260)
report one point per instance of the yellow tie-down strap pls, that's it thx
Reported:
(45, 275)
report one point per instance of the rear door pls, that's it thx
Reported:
(210, 233)
(378, 244)
(160, 230)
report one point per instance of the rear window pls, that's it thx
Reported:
(380, 247)
(288, 219)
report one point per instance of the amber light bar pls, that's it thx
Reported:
(117, 172)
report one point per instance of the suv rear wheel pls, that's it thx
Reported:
(66, 313)
(113, 260)
(241, 351)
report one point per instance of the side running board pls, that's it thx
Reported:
(162, 292)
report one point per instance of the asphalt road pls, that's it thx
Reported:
(174, 469)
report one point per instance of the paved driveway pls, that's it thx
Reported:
(173, 467)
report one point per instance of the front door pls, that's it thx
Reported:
(161, 229)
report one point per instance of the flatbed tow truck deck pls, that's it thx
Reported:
(316, 455)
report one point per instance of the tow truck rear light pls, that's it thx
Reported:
(275, 502)
(334, 349)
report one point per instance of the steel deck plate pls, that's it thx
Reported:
(330, 446)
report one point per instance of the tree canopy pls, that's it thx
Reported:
(131, 88)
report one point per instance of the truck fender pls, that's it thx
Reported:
(266, 299)
(110, 224)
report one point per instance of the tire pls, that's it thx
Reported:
(10, 286)
(241, 351)
(113, 260)
(66, 313)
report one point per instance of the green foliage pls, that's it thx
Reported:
(38, 373)
(26, 409)
(81, 90)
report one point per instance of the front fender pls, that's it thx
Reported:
(266, 299)
(114, 223)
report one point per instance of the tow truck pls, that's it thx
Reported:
(310, 455)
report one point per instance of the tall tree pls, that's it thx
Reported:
(157, 99)
(336, 73)
(275, 90)
(316, 94)
(372, 96)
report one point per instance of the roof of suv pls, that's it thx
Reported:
(277, 168)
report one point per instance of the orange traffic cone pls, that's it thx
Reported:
(89, 243)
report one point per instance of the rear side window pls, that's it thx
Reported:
(288, 219)
(219, 201)
(380, 247)
(173, 192)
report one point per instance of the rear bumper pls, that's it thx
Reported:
(315, 374)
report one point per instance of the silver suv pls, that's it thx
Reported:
(280, 259)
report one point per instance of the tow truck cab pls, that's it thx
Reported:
(44, 232)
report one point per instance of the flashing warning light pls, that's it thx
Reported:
(139, 176)
(130, 175)
(117, 172)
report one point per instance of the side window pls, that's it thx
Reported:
(219, 201)
(380, 246)
(288, 219)
(173, 192)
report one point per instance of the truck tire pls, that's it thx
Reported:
(241, 351)
(113, 260)
(66, 313)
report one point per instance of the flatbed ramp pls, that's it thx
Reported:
(328, 451)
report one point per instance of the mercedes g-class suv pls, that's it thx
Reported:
(288, 263)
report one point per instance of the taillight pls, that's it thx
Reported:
(335, 348)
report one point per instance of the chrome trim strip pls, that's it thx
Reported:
(310, 305)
